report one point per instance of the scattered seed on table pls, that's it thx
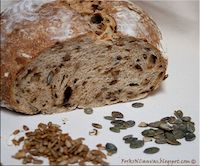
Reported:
(93, 132)
(111, 148)
(137, 144)
(127, 136)
(88, 111)
(25, 128)
(143, 124)
(116, 114)
(96, 125)
(151, 150)
(109, 118)
(137, 105)
(130, 140)
(115, 129)
(130, 123)
(16, 132)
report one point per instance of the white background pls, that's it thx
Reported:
(178, 21)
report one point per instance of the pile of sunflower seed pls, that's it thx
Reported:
(49, 141)
(170, 129)
(118, 123)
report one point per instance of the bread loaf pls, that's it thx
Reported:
(58, 55)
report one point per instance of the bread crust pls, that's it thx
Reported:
(29, 27)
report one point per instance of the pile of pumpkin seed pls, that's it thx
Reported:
(170, 129)
(117, 122)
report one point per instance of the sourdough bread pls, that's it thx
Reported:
(60, 55)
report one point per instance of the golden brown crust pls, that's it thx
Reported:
(39, 26)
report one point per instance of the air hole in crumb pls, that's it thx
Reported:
(96, 19)
(151, 88)
(113, 82)
(75, 80)
(84, 82)
(147, 49)
(44, 105)
(152, 59)
(17, 101)
(118, 57)
(160, 75)
(137, 60)
(67, 57)
(56, 96)
(160, 66)
(109, 47)
(133, 84)
(138, 67)
(67, 95)
(144, 56)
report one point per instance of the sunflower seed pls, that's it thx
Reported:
(111, 148)
(137, 105)
(88, 111)
(151, 150)
(96, 125)
(178, 113)
(143, 124)
(190, 137)
(127, 136)
(116, 114)
(115, 129)
(25, 128)
(186, 118)
(130, 123)
(16, 132)
(178, 134)
(93, 132)
(109, 118)
(155, 124)
(137, 144)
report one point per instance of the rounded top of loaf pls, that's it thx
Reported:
(30, 26)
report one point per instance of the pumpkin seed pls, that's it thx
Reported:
(172, 120)
(190, 127)
(178, 113)
(88, 111)
(16, 132)
(171, 139)
(130, 140)
(178, 121)
(186, 118)
(130, 123)
(109, 118)
(115, 129)
(127, 136)
(25, 128)
(166, 126)
(178, 134)
(159, 132)
(96, 125)
(148, 133)
(165, 119)
(117, 122)
(116, 114)
(151, 150)
(155, 124)
(111, 148)
(143, 124)
(161, 141)
(137, 144)
(190, 137)
(93, 132)
(137, 105)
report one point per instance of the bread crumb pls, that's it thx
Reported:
(26, 55)
(6, 74)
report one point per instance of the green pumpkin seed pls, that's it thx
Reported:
(143, 124)
(190, 137)
(171, 139)
(109, 118)
(88, 111)
(130, 140)
(172, 120)
(149, 132)
(127, 136)
(137, 144)
(117, 122)
(161, 141)
(96, 125)
(137, 105)
(111, 148)
(159, 132)
(178, 113)
(158, 136)
(190, 127)
(186, 118)
(115, 129)
(130, 123)
(178, 121)
(165, 119)
(116, 114)
(155, 124)
(151, 150)
(178, 134)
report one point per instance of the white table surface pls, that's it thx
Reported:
(178, 21)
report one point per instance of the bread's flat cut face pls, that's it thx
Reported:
(89, 73)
